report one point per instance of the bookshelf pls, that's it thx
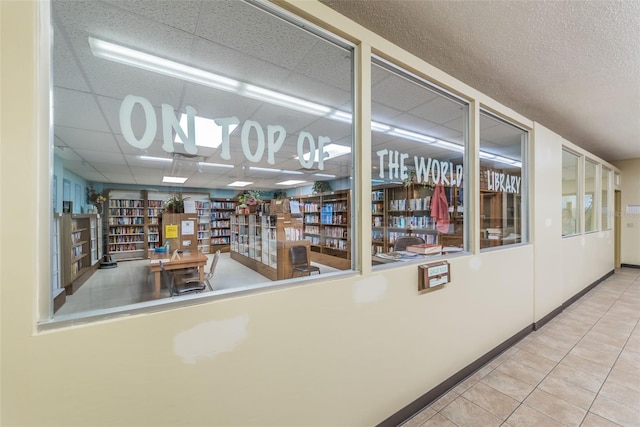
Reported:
(203, 210)
(154, 203)
(221, 210)
(327, 226)
(78, 235)
(262, 242)
(126, 225)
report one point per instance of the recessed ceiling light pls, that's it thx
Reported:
(174, 179)
(155, 159)
(215, 165)
(239, 184)
(290, 182)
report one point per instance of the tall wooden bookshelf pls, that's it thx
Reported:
(203, 210)
(126, 237)
(76, 261)
(327, 226)
(221, 211)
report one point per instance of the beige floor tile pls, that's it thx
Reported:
(616, 341)
(465, 413)
(596, 356)
(593, 420)
(521, 372)
(508, 385)
(579, 378)
(420, 418)
(572, 393)
(558, 409)
(443, 401)
(622, 377)
(525, 416)
(592, 368)
(628, 366)
(539, 357)
(438, 420)
(593, 343)
(630, 355)
(621, 394)
(499, 404)
(559, 344)
(616, 412)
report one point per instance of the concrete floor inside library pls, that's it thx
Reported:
(132, 282)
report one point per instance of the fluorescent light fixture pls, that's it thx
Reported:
(155, 159)
(333, 150)
(144, 61)
(504, 160)
(239, 184)
(215, 165)
(341, 116)
(411, 135)
(324, 175)
(174, 179)
(277, 98)
(208, 133)
(379, 127)
(292, 172)
(290, 182)
(484, 155)
(255, 168)
(449, 145)
(518, 164)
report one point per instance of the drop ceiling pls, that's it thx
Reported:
(573, 66)
(88, 92)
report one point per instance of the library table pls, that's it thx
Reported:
(188, 259)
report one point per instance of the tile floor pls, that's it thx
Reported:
(580, 369)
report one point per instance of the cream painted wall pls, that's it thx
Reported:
(339, 352)
(630, 224)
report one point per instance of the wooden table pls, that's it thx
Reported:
(188, 259)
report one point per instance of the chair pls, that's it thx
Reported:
(299, 262)
(175, 290)
(404, 241)
(194, 277)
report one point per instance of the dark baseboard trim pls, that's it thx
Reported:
(423, 401)
(580, 294)
(419, 404)
(629, 266)
(546, 319)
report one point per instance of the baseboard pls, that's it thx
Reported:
(629, 265)
(419, 404)
(423, 401)
(580, 294)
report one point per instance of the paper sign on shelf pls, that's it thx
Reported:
(171, 231)
(187, 228)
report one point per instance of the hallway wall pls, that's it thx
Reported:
(347, 351)
(630, 223)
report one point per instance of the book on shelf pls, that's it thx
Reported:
(425, 249)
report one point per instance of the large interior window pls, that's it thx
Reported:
(502, 182)
(570, 191)
(590, 195)
(419, 137)
(213, 134)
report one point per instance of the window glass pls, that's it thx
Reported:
(570, 190)
(419, 136)
(590, 200)
(196, 130)
(502, 183)
(606, 185)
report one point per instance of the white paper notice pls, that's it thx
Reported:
(190, 206)
(187, 228)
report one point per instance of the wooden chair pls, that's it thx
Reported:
(299, 262)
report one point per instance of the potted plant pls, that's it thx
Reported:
(174, 204)
(249, 200)
(96, 199)
(321, 187)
